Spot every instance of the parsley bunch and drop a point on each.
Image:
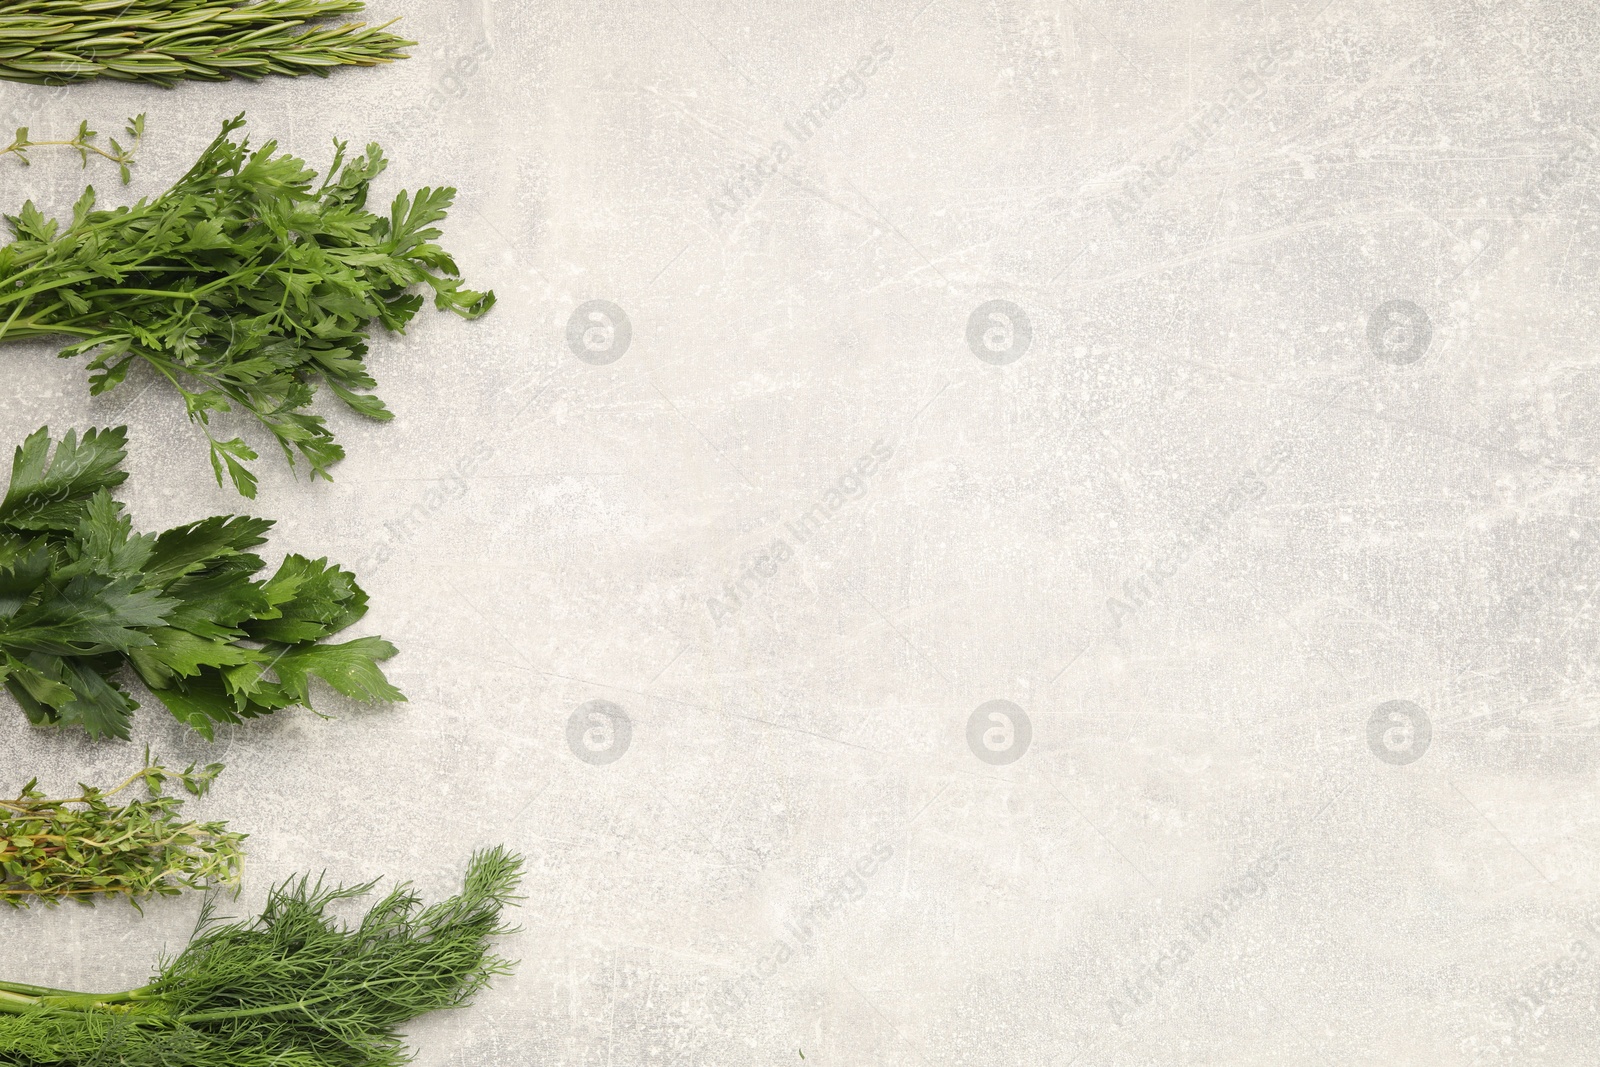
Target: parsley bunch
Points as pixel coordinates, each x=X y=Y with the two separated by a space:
x=53 y=42
x=82 y=595
x=244 y=286
x=86 y=847
x=83 y=143
x=293 y=988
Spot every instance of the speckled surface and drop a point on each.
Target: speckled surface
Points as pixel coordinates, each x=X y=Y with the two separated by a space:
x=1212 y=386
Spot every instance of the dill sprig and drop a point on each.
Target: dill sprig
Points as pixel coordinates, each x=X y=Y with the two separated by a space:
x=83 y=847
x=54 y=42
x=243 y=286
x=293 y=988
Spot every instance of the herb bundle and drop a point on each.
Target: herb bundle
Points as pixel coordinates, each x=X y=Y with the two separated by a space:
x=292 y=989
x=81 y=595
x=86 y=847
x=52 y=42
x=243 y=286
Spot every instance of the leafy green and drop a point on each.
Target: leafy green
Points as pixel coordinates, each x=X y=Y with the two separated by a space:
x=87 y=847
x=82 y=595
x=244 y=286
x=293 y=988
x=53 y=42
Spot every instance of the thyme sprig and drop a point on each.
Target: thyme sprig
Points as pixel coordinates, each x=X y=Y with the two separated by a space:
x=83 y=143
x=83 y=847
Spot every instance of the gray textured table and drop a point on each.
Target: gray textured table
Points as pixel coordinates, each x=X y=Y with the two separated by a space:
x=1213 y=386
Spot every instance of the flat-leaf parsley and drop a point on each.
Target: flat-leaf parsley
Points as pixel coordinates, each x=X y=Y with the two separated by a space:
x=82 y=596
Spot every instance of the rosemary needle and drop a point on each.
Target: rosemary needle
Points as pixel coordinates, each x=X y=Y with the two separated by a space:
x=54 y=42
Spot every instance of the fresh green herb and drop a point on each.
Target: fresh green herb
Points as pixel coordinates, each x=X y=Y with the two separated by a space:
x=83 y=142
x=293 y=988
x=86 y=847
x=53 y=42
x=242 y=286
x=81 y=595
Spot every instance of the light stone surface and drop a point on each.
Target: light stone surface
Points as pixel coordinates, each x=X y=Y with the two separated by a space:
x=1182 y=514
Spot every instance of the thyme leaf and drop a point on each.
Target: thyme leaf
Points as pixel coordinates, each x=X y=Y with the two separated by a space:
x=83 y=142
x=84 y=847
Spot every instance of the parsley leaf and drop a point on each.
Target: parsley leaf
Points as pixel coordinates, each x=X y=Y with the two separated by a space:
x=82 y=595
x=244 y=286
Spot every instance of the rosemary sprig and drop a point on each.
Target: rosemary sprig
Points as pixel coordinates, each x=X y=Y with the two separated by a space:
x=243 y=286
x=83 y=143
x=54 y=42
x=294 y=988
x=84 y=847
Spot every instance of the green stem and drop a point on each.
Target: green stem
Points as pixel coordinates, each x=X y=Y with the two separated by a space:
x=17 y=998
x=74 y=143
x=14 y=1004
x=293 y=1005
x=35 y=990
x=26 y=333
x=8 y=323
